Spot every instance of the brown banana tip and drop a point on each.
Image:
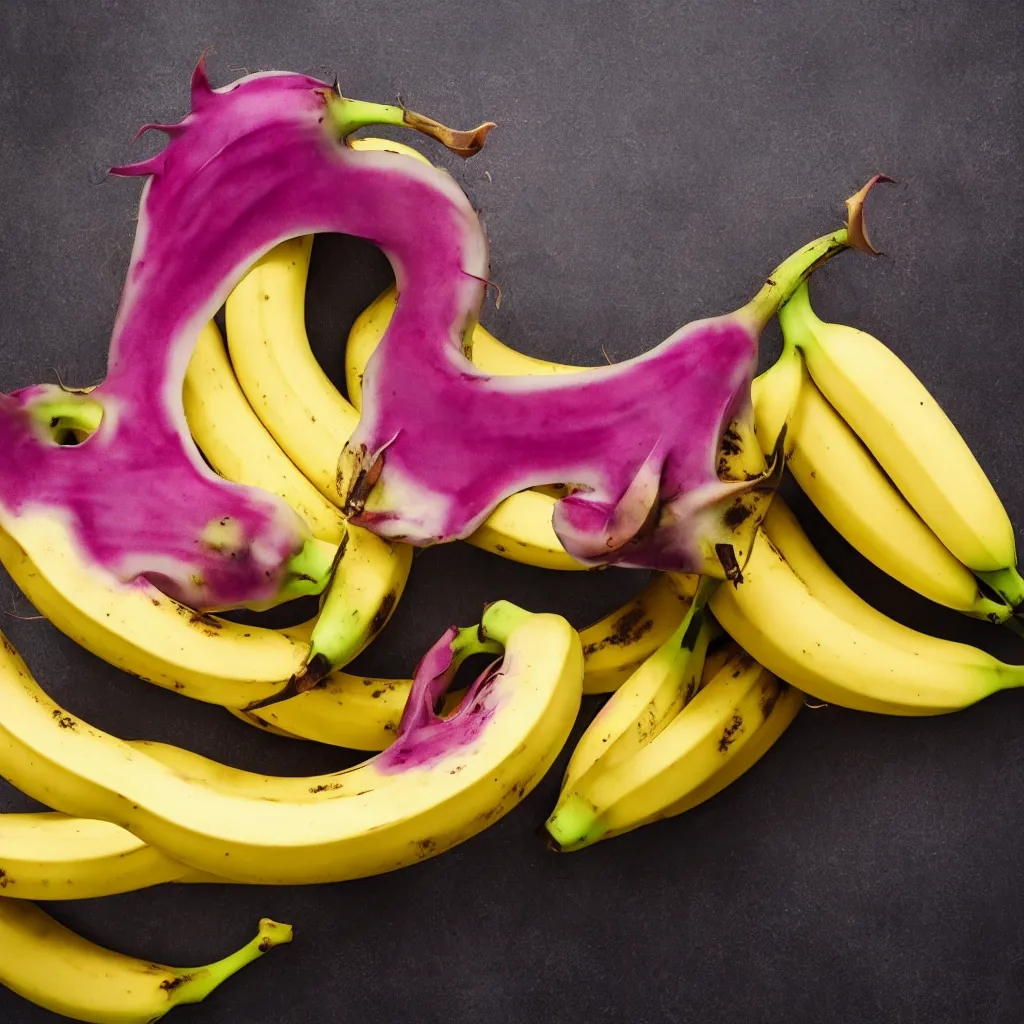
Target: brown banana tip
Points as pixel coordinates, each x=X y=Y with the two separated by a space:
x=464 y=144
x=856 y=229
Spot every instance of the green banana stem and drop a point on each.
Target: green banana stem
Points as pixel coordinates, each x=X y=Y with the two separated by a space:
x=347 y=116
x=794 y=270
x=195 y=984
x=570 y=825
x=500 y=620
x=468 y=642
x=1007 y=583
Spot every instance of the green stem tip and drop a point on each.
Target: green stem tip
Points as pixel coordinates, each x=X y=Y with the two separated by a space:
x=195 y=984
x=1007 y=583
x=469 y=642
x=500 y=620
x=572 y=824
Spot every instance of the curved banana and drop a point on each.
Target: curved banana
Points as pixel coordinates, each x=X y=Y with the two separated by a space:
x=46 y=855
x=142 y=631
x=645 y=703
x=685 y=763
x=913 y=440
x=53 y=967
x=796 y=617
x=439 y=783
x=837 y=472
x=237 y=445
x=744 y=753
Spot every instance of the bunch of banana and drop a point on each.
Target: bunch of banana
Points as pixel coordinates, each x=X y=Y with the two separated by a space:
x=354 y=711
x=680 y=729
x=878 y=457
x=797 y=617
x=55 y=968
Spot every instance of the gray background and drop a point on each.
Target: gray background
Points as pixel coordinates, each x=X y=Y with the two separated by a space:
x=653 y=161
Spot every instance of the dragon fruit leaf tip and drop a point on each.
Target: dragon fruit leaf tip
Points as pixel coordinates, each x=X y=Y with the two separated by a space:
x=253 y=163
x=440 y=444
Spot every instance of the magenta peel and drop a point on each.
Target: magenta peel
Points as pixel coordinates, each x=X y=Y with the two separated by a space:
x=254 y=163
x=424 y=737
x=440 y=443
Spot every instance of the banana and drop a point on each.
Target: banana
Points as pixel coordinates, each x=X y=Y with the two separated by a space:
x=795 y=616
x=55 y=968
x=904 y=428
x=142 y=631
x=363 y=713
x=849 y=488
x=645 y=703
x=687 y=761
x=237 y=445
x=743 y=754
x=439 y=783
x=45 y=855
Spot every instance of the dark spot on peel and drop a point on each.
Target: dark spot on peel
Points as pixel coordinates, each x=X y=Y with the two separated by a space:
x=626 y=630
x=265 y=945
x=170 y=984
x=771 y=698
x=737 y=515
x=729 y=734
x=383 y=613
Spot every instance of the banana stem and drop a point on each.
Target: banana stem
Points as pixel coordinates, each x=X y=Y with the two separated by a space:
x=195 y=984
x=1007 y=583
x=500 y=620
x=685 y=636
x=787 y=277
x=793 y=271
x=347 y=116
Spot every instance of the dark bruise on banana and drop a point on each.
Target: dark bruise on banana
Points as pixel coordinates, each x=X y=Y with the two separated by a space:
x=742 y=515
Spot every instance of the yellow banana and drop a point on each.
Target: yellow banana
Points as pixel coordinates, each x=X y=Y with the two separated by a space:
x=796 y=617
x=363 y=713
x=840 y=476
x=238 y=446
x=141 y=630
x=645 y=703
x=53 y=967
x=687 y=760
x=440 y=783
x=904 y=428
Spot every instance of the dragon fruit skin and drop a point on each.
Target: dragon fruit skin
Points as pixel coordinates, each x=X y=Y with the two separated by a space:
x=641 y=444
x=251 y=165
